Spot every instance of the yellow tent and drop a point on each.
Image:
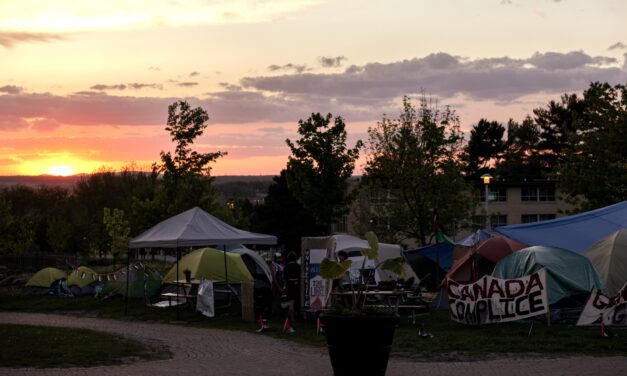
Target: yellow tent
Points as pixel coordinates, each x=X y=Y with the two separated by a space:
x=209 y=263
x=46 y=277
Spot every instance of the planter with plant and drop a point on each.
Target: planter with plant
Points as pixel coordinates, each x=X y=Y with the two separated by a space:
x=353 y=327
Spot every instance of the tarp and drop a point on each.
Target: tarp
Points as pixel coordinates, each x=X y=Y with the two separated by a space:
x=441 y=251
x=609 y=257
x=568 y=273
x=196 y=228
x=575 y=233
x=426 y=269
x=424 y=262
x=46 y=277
x=209 y=263
x=487 y=253
x=474 y=238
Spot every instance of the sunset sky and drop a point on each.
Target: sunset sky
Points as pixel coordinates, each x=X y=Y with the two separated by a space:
x=86 y=84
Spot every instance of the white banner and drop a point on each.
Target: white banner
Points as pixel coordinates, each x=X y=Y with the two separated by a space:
x=494 y=300
x=612 y=310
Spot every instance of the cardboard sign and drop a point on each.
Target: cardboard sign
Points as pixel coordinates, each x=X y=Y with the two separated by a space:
x=494 y=300
x=607 y=310
x=316 y=287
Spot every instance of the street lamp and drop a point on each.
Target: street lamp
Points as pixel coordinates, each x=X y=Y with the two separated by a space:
x=486 y=182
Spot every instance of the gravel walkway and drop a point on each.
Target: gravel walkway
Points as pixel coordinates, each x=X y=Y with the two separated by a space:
x=221 y=352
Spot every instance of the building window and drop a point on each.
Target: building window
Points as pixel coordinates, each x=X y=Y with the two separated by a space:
x=495 y=220
x=497 y=194
x=545 y=217
x=536 y=193
x=498 y=220
x=546 y=194
x=529 y=218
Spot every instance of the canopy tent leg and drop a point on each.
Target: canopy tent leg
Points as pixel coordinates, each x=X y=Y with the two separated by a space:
x=128 y=267
x=178 y=259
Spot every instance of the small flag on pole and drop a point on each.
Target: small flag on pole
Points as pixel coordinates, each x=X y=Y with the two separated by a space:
x=319 y=327
x=262 y=325
x=287 y=327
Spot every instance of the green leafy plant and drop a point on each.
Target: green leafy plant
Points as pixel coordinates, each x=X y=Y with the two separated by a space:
x=334 y=269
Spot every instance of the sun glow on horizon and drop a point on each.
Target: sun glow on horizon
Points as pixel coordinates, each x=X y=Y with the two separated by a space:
x=61 y=170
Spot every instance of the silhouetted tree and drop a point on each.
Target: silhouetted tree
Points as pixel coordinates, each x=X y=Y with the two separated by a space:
x=319 y=167
x=413 y=168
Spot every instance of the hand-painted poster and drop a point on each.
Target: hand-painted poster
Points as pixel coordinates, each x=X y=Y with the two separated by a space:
x=494 y=300
x=607 y=310
x=315 y=289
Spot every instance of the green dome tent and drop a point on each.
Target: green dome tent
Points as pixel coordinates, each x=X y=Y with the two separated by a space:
x=46 y=277
x=568 y=273
x=209 y=263
x=143 y=282
x=81 y=277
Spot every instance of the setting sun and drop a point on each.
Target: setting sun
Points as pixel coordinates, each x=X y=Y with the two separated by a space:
x=61 y=170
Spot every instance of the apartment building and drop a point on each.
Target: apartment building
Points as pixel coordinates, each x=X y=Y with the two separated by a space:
x=524 y=201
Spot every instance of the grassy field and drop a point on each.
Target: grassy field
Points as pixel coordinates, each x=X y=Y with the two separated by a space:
x=43 y=347
x=450 y=340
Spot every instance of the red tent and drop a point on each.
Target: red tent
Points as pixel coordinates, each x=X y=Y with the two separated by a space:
x=481 y=260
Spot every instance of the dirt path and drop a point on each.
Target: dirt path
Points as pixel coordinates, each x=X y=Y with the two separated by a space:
x=222 y=352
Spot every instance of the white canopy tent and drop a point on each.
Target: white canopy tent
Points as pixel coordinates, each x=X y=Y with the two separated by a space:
x=196 y=228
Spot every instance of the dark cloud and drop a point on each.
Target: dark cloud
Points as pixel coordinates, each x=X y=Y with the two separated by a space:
x=502 y=79
x=102 y=87
x=289 y=67
x=617 y=46
x=360 y=93
x=194 y=74
x=154 y=68
x=187 y=84
x=94 y=109
x=331 y=62
x=87 y=92
x=570 y=60
x=138 y=86
x=10 y=39
x=11 y=89
x=506 y=2
x=230 y=87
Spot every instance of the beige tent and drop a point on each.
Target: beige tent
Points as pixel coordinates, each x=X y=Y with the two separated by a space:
x=609 y=257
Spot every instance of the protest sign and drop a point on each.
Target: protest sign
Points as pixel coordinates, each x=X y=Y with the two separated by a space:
x=612 y=310
x=494 y=300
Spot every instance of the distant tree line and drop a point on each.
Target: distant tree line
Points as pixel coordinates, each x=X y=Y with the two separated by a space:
x=417 y=165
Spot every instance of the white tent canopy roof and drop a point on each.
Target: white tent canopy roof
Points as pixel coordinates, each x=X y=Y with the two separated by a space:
x=196 y=228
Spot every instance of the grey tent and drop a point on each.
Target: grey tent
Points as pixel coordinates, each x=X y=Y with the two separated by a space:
x=196 y=228
x=609 y=257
